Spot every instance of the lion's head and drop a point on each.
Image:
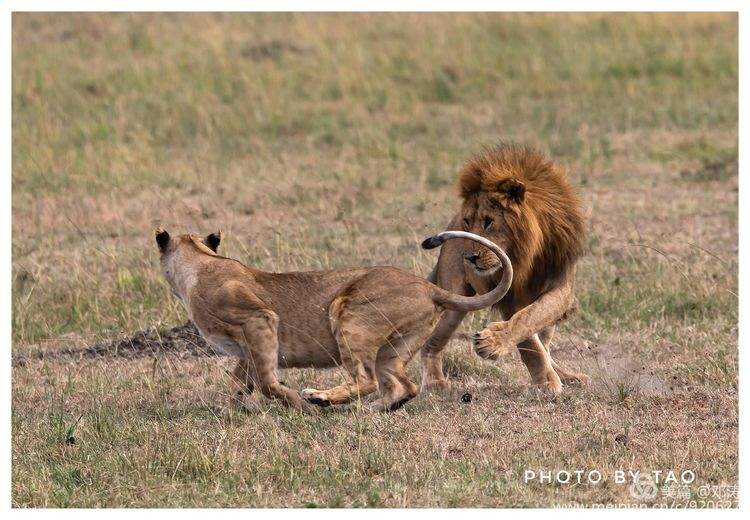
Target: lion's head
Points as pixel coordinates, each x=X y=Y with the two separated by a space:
x=520 y=200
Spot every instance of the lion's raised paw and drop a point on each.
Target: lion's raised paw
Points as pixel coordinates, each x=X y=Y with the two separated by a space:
x=483 y=346
x=487 y=346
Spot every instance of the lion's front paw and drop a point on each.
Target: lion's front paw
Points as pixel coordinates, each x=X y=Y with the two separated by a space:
x=315 y=397
x=494 y=341
x=576 y=379
x=549 y=381
x=435 y=385
x=432 y=374
x=377 y=405
x=484 y=345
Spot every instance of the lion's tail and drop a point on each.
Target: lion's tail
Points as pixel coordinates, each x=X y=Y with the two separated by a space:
x=457 y=302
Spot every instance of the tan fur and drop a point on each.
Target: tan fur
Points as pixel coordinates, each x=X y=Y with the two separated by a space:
x=521 y=200
x=370 y=320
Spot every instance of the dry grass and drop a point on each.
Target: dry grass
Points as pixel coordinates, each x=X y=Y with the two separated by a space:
x=330 y=140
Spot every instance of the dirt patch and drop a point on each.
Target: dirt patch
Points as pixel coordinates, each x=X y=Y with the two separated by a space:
x=624 y=376
x=181 y=341
x=616 y=367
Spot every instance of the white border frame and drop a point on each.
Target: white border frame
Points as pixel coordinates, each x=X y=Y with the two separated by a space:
x=357 y=5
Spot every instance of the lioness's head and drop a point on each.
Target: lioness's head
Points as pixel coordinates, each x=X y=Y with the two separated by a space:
x=517 y=198
x=169 y=245
x=179 y=254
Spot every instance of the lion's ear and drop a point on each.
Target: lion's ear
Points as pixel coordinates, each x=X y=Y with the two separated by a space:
x=213 y=240
x=513 y=189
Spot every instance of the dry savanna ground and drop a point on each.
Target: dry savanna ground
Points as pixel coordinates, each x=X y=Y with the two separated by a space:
x=319 y=141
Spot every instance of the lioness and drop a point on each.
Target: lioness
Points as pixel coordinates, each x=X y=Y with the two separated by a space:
x=521 y=200
x=371 y=320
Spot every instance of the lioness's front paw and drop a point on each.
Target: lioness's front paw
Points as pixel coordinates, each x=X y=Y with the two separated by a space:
x=315 y=397
x=494 y=341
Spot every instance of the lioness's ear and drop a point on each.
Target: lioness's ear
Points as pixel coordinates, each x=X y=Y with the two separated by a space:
x=514 y=189
x=213 y=240
x=162 y=238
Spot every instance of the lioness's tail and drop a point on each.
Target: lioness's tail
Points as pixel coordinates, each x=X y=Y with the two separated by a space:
x=457 y=302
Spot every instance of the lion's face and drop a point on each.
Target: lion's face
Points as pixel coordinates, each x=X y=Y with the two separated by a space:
x=481 y=214
x=518 y=199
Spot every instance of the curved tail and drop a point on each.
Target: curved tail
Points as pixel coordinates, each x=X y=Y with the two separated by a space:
x=457 y=302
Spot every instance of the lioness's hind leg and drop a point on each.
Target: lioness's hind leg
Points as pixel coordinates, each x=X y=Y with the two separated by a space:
x=358 y=347
x=362 y=383
x=395 y=387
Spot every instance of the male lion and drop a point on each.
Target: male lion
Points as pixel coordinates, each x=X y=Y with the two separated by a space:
x=520 y=200
x=371 y=320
